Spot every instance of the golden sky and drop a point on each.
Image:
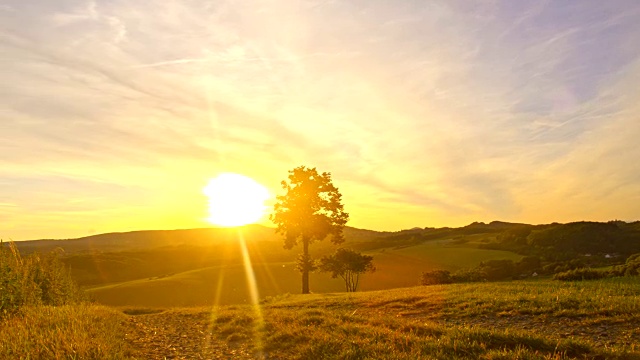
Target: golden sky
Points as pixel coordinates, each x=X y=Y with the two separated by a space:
x=115 y=114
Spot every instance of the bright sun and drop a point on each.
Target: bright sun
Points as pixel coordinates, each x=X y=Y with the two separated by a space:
x=235 y=200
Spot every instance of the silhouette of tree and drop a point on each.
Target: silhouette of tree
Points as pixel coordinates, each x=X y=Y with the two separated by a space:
x=310 y=211
x=347 y=264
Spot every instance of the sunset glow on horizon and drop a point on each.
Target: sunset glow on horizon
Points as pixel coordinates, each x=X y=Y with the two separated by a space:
x=115 y=115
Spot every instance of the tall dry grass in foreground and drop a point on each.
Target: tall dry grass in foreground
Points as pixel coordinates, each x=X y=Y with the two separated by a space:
x=37 y=279
x=43 y=315
x=81 y=331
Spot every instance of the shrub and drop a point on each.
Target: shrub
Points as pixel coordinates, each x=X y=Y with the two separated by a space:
x=436 y=277
x=468 y=275
x=33 y=280
x=632 y=265
x=580 y=274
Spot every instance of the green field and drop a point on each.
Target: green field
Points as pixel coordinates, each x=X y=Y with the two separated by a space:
x=226 y=283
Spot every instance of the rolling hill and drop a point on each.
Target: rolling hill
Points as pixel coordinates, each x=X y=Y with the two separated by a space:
x=206 y=266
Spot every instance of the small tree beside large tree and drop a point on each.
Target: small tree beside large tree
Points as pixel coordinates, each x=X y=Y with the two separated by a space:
x=310 y=210
x=347 y=264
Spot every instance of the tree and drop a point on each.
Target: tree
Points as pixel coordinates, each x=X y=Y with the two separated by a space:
x=310 y=211
x=347 y=264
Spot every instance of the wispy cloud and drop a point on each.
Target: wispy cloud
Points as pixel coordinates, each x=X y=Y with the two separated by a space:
x=444 y=112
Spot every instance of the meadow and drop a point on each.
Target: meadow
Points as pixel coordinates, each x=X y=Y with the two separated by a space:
x=191 y=300
x=540 y=319
x=202 y=276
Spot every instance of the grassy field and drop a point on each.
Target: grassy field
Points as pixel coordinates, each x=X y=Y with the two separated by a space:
x=226 y=283
x=540 y=319
x=516 y=320
x=171 y=304
x=202 y=267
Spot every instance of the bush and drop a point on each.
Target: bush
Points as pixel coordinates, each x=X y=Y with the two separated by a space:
x=468 y=275
x=632 y=265
x=436 y=277
x=630 y=268
x=580 y=274
x=33 y=280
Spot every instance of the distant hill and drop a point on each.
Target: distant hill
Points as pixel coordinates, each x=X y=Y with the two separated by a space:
x=149 y=239
x=146 y=239
x=120 y=267
x=518 y=237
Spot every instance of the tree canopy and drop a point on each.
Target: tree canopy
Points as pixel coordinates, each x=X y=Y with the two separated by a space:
x=310 y=210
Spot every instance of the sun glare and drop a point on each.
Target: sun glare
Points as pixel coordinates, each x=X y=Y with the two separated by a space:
x=235 y=200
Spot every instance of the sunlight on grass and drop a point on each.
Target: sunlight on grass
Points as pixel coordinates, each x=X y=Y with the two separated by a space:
x=256 y=323
x=526 y=320
x=253 y=291
x=80 y=331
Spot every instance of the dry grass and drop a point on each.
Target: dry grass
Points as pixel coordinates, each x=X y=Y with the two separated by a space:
x=516 y=320
x=81 y=331
x=43 y=316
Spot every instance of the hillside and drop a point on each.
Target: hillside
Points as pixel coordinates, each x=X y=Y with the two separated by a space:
x=216 y=274
x=146 y=239
x=198 y=267
x=226 y=282
x=539 y=319
x=171 y=296
x=532 y=320
x=149 y=239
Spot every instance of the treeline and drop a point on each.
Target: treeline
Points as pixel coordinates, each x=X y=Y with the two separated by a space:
x=562 y=242
x=531 y=266
x=631 y=267
x=492 y=270
x=417 y=236
x=36 y=279
x=564 y=251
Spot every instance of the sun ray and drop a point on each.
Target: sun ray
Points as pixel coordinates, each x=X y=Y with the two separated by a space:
x=253 y=291
x=275 y=287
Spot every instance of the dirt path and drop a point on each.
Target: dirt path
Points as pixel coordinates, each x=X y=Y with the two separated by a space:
x=171 y=335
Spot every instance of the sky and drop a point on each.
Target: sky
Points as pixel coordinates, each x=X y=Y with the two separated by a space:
x=115 y=114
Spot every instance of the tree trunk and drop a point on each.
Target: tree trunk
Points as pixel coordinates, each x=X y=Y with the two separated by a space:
x=305 y=269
